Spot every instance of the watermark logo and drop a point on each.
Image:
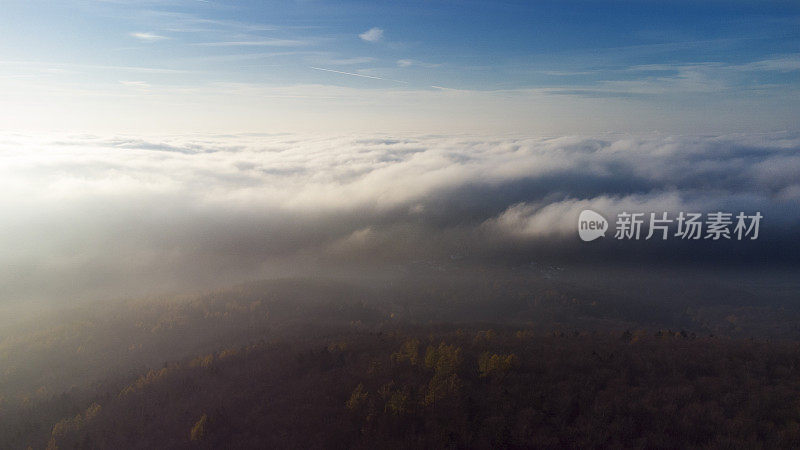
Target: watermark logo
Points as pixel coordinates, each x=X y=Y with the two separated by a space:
x=713 y=226
x=591 y=225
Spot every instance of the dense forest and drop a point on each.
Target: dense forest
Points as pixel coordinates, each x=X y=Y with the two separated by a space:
x=463 y=388
x=472 y=362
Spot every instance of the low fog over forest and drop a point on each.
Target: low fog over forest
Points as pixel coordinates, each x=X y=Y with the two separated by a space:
x=388 y=274
x=98 y=217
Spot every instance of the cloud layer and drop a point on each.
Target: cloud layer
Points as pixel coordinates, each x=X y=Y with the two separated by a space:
x=372 y=35
x=92 y=214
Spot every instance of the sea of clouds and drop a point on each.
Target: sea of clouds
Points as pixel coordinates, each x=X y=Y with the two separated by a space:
x=91 y=215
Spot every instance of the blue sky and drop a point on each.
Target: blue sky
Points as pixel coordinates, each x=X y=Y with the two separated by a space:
x=509 y=66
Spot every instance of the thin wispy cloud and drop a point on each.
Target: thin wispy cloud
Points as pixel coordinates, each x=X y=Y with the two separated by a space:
x=187 y=22
x=230 y=57
x=414 y=62
x=148 y=37
x=361 y=75
x=787 y=63
x=59 y=67
x=349 y=61
x=372 y=35
x=137 y=84
x=522 y=77
x=257 y=43
x=779 y=63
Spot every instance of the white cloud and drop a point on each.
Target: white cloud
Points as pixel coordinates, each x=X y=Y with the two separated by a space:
x=372 y=35
x=786 y=63
x=148 y=37
x=558 y=219
x=414 y=62
x=201 y=206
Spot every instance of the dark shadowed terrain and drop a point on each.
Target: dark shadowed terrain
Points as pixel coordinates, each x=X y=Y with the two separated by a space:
x=453 y=357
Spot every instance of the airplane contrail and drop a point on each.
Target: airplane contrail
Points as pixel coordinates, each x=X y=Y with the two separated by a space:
x=358 y=75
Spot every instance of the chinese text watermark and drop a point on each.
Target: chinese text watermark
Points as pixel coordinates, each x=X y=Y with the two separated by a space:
x=661 y=226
